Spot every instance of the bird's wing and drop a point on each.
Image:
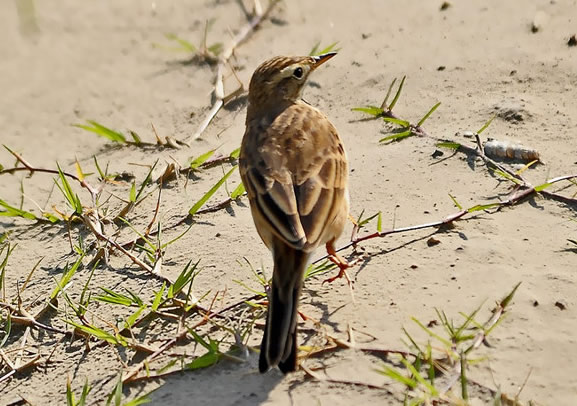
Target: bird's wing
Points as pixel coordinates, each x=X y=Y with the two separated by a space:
x=295 y=173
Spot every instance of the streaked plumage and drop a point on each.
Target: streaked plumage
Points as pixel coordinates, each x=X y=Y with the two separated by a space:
x=295 y=171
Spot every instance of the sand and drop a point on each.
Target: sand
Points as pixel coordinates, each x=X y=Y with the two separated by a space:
x=108 y=61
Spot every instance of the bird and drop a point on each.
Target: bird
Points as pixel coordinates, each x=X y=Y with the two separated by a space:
x=295 y=171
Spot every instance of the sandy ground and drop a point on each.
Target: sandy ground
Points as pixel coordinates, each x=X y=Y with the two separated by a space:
x=98 y=61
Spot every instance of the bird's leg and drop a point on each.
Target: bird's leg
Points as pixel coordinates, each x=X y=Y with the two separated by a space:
x=339 y=261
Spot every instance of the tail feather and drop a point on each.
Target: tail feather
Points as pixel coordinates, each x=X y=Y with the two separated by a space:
x=279 y=342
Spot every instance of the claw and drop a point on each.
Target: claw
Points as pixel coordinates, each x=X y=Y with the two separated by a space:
x=339 y=261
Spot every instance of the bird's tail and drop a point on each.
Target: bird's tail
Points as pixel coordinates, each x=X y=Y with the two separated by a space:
x=279 y=342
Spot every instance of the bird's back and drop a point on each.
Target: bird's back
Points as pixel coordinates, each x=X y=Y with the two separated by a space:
x=296 y=157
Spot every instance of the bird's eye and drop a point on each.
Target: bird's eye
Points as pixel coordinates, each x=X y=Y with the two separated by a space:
x=298 y=73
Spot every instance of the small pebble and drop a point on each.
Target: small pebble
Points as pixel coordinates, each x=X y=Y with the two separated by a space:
x=445 y=5
x=431 y=242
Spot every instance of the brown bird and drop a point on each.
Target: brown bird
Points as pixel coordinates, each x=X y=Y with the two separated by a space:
x=295 y=171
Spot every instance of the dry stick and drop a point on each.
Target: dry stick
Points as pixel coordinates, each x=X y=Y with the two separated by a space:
x=418 y=130
x=22 y=367
x=559 y=198
x=520 y=193
x=31 y=168
x=156 y=210
x=26 y=319
x=490 y=162
x=101 y=236
x=20 y=353
x=242 y=36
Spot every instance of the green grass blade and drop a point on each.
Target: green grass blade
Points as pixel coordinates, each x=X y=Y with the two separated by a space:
x=138 y=401
x=199 y=339
x=328 y=49
x=455 y=202
x=464 y=392
x=116 y=394
x=113 y=297
x=199 y=160
x=99 y=333
x=386 y=99
x=238 y=192
x=204 y=361
x=66 y=189
x=507 y=176
x=158 y=297
x=315 y=49
x=487 y=124
x=542 y=186
x=178 y=237
x=69 y=394
x=184 y=44
x=314 y=270
x=4 y=237
x=372 y=110
x=132 y=195
x=430 y=332
x=129 y=322
x=448 y=144
x=254 y=291
x=11 y=211
x=209 y=194
x=135 y=137
x=84 y=395
x=397 y=137
x=426 y=116
x=362 y=223
x=51 y=217
x=186 y=276
x=66 y=277
x=216 y=48
x=432 y=390
x=146 y=181
x=399 y=122
x=481 y=207
x=235 y=153
x=507 y=299
x=398 y=94
x=395 y=375
x=102 y=131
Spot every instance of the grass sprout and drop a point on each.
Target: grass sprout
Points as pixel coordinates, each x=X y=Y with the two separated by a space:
x=317 y=50
x=452 y=348
x=102 y=131
x=195 y=163
x=211 y=357
x=211 y=192
x=11 y=211
x=204 y=52
x=385 y=111
x=70 y=398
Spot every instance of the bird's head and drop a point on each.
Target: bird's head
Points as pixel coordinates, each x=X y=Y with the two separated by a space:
x=281 y=79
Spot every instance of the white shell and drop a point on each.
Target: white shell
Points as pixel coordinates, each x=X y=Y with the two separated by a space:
x=506 y=150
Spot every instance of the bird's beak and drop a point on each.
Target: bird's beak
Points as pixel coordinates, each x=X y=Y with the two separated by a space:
x=320 y=59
